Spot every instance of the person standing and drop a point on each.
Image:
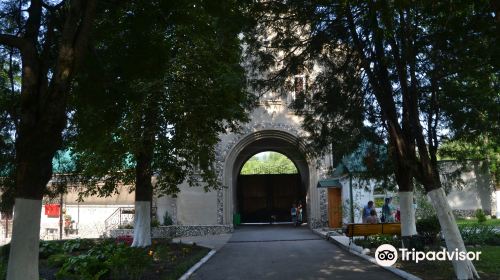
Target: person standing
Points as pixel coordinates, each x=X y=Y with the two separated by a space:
x=388 y=211
x=300 y=210
x=366 y=211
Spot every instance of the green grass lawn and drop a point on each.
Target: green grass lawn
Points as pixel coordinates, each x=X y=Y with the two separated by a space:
x=491 y=222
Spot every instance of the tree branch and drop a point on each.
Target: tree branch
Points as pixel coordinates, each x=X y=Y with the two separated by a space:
x=53 y=8
x=34 y=20
x=12 y=41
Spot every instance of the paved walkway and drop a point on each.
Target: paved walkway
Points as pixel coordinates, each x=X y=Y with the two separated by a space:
x=285 y=252
x=210 y=241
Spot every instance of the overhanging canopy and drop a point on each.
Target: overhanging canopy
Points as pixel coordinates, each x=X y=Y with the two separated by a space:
x=329 y=183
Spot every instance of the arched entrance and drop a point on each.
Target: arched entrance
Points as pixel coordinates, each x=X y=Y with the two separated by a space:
x=268 y=184
x=269 y=140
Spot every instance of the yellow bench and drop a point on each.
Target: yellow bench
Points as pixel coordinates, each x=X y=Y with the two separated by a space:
x=372 y=229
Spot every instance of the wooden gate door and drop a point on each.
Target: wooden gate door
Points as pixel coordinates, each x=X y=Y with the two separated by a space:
x=334 y=208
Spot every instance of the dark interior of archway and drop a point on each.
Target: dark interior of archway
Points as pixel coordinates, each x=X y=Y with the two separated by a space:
x=268 y=198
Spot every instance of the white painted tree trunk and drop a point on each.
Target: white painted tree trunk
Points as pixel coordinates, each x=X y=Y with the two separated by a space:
x=24 y=248
x=498 y=203
x=142 y=224
x=407 y=217
x=463 y=269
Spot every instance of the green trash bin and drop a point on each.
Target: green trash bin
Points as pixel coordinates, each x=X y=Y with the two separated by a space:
x=236 y=219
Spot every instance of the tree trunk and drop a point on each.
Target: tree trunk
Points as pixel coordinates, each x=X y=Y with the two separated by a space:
x=143 y=198
x=24 y=246
x=408 y=227
x=497 y=192
x=37 y=142
x=42 y=118
x=463 y=269
x=142 y=224
x=405 y=185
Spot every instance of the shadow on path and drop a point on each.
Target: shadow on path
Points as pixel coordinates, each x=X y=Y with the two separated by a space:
x=285 y=252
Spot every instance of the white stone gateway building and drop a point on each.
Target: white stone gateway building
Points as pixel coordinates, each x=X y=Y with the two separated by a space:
x=274 y=127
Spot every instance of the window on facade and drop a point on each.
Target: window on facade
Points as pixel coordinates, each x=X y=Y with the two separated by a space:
x=299 y=85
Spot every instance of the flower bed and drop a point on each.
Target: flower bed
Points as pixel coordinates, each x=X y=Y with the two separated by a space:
x=112 y=259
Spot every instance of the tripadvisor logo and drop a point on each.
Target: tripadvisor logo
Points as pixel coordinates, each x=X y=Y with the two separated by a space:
x=387 y=255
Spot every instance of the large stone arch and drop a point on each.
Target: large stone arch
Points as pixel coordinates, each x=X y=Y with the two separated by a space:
x=283 y=139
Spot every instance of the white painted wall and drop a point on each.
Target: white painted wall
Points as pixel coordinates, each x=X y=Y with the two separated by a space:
x=166 y=204
x=472 y=189
x=88 y=218
x=195 y=206
x=361 y=197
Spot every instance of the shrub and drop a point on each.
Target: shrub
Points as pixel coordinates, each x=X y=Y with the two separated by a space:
x=377 y=240
x=476 y=234
x=57 y=260
x=128 y=263
x=107 y=259
x=424 y=207
x=429 y=228
x=84 y=267
x=48 y=248
x=88 y=266
x=480 y=215
x=167 y=220
x=493 y=240
x=77 y=245
x=155 y=223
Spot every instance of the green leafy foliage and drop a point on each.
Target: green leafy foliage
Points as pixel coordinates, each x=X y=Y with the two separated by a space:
x=155 y=223
x=48 y=248
x=85 y=267
x=424 y=207
x=128 y=263
x=57 y=259
x=481 y=148
x=480 y=216
x=9 y=97
x=163 y=81
x=268 y=163
x=429 y=228
x=377 y=240
x=477 y=234
x=167 y=219
x=77 y=244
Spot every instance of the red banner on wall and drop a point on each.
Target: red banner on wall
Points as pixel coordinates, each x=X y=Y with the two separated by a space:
x=52 y=210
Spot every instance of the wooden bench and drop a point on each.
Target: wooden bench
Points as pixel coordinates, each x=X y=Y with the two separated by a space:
x=372 y=229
